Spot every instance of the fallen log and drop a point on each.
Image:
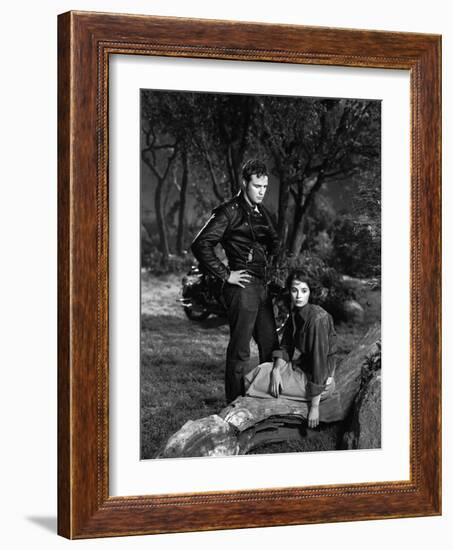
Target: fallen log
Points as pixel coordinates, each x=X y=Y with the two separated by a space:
x=251 y=421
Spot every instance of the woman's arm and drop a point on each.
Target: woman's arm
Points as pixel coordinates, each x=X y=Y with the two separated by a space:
x=318 y=341
x=276 y=377
x=317 y=349
x=285 y=349
x=281 y=356
x=313 y=415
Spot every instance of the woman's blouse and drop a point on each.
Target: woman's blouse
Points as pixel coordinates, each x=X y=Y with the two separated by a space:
x=309 y=341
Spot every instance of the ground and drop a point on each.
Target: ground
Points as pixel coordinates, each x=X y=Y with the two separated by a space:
x=182 y=366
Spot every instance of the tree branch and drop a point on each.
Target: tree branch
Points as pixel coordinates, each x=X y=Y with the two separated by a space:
x=204 y=150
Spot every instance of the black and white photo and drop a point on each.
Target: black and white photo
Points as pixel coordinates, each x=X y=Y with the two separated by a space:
x=260 y=274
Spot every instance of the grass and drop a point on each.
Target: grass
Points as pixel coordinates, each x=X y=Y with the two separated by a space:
x=182 y=368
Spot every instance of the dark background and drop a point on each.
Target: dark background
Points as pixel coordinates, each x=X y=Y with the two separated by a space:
x=324 y=161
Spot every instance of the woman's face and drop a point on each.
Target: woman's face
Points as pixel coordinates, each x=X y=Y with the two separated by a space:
x=300 y=293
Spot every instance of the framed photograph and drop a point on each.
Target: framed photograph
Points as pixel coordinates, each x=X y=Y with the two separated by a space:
x=249 y=275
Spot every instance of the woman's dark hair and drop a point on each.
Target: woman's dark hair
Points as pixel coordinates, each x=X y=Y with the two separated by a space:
x=253 y=166
x=302 y=275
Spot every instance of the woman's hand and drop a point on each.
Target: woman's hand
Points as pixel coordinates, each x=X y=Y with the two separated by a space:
x=313 y=416
x=276 y=382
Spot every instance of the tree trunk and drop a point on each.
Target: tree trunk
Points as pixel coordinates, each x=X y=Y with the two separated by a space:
x=158 y=198
x=232 y=172
x=182 y=204
x=283 y=203
x=215 y=183
x=161 y=223
x=299 y=236
x=298 y=239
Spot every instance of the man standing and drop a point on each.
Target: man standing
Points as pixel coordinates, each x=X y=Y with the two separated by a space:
x=244 y=229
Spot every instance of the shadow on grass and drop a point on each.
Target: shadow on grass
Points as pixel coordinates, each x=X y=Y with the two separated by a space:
x=213 y=322
x=182 y=324
x=326 y=437
x=182 y=376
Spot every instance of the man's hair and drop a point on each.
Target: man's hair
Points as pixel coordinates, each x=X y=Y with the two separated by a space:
x=253 y=166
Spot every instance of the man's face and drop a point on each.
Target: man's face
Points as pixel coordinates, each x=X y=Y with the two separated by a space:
x=256 y=188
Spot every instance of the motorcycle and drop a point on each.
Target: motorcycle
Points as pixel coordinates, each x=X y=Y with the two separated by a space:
x=202 y=296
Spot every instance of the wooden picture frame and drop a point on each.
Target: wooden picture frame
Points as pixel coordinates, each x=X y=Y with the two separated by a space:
x=85 y=41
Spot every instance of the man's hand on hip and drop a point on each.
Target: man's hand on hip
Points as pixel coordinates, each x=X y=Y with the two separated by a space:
x=239 y=277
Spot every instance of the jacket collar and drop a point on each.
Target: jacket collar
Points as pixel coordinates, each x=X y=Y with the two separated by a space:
x=244 y=203
x=301 y=312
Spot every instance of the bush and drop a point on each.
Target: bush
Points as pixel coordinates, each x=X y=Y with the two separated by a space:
x=153 y=261
x=321 y=245
x=332 y=292
x=357 y=247
x=371 y=364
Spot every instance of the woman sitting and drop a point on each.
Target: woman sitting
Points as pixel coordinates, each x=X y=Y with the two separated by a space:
x=304 y=365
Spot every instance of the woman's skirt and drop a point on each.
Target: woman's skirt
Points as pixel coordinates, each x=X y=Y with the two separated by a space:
x=294 y=383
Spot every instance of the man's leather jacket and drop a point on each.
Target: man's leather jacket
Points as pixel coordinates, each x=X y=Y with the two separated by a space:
x=247 y=236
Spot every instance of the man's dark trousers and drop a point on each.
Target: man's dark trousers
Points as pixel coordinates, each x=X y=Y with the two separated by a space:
x=250 y=314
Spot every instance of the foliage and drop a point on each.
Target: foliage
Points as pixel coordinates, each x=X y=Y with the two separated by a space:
x=331 y=292
x=194 y=144
x=321 y=244
x=321 y=216
x=373 y=361
x=152 y=261
x=357 y=247
x=371 y=365
x=357 y=235
x=314 y=143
